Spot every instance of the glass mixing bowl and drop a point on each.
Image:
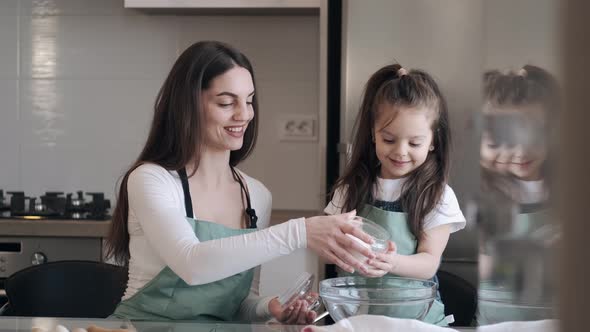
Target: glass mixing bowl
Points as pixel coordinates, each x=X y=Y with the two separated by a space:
x=389 y=296
x=497 y=304
x=301 y=289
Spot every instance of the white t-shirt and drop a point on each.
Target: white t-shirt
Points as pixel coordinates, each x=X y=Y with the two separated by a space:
x=389 y=190
x=532 y=192
x=160 y=236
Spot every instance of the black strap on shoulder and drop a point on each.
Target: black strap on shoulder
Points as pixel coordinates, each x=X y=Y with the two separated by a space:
x=249 y=210
x=188 y=203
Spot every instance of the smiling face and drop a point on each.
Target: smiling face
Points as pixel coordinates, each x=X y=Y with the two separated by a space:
x=228 y=109
x=403 y=142
x=514 y=143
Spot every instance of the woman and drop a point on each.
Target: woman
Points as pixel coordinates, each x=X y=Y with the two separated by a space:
x=186 y=220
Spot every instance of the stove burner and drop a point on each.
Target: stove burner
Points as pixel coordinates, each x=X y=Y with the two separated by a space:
x=54 y=205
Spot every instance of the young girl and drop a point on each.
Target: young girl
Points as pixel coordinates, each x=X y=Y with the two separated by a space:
x=397 y=174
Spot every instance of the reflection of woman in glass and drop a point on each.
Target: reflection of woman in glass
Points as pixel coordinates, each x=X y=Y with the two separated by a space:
x=518 y=112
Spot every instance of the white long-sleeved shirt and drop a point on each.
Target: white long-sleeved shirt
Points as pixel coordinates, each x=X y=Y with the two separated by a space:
x=160 y=236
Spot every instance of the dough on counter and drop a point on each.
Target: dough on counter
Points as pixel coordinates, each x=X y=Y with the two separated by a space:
x=94 y=328
x=43 y=324
x=60 y=328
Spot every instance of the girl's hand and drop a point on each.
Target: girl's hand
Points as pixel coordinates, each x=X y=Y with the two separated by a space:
x=384 y=263
x=326 y=235
x=296 y=314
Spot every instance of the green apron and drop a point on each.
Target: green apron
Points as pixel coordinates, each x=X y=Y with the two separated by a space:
x=168 y=297
x=534 y=225
x=397 y=225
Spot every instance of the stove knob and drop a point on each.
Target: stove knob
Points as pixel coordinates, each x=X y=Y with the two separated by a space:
x=2 y=269
x=2 y=259
x=38 y=258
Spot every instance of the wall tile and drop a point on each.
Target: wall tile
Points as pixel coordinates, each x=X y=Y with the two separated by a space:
x=9 y=136
x=72 y=167
x=56 y=112
x=113 y=47
x=8 y=8
x=74 y=8
x=9 y=48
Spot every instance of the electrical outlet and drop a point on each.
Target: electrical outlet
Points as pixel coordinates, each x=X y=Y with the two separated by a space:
x=297 y=127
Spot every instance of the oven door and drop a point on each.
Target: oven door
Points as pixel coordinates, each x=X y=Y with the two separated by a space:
x=17 y=253
x=10 y=249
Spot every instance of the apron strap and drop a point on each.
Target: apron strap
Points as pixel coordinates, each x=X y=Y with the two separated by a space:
x=533 y=207
x=249 y=210
x=188 y=202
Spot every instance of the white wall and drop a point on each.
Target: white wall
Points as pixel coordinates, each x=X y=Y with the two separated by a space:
x=9 y=95
x=78 y=80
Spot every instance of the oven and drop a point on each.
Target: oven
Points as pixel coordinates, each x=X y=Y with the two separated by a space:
x=17 y=253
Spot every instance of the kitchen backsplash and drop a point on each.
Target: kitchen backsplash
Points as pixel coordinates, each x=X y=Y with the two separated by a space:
x=78 y=79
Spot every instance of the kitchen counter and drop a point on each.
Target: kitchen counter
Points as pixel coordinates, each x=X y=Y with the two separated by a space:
x=54 y=228
x=100 y=229
x=25 y=324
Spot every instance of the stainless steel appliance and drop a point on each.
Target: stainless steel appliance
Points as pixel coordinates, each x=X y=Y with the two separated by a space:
x=23 y=250
x=17 y=253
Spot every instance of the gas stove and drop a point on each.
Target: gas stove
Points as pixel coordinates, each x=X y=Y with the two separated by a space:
x=54 y=205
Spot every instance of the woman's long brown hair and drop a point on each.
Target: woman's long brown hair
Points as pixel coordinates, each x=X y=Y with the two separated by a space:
x=424 y=187
x=176 y=133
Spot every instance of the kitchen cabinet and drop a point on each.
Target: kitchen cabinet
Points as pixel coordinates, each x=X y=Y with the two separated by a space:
x=282 y=7
x=222 y=4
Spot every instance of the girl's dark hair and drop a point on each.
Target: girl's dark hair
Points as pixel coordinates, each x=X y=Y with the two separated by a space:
x=177 y=131
x=425 y=186
x=529 y=86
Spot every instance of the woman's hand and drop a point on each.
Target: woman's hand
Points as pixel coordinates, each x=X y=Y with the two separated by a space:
x=382 y=264
x=326 y=235
x=297 y=313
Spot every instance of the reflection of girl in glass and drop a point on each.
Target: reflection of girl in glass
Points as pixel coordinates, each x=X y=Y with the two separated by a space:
x=518 y=113
x=514 y=150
